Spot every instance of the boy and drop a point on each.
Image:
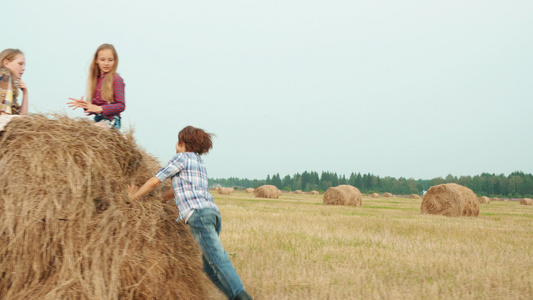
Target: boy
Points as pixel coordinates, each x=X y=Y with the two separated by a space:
x=197 y=207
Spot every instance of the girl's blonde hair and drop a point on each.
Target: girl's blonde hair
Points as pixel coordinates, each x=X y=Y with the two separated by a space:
x=10 y=55
x=94 y=72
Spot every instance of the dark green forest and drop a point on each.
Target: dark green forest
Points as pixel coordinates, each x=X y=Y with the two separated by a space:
x=515 y=185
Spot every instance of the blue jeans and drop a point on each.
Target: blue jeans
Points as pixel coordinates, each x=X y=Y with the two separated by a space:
x=206 y=225
x=114 y=123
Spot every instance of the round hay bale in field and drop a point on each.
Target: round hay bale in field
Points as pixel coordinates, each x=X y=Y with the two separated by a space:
x=414 y=196
x=374 y=195
x=526 y=201
x=267 y=191
x=249 y=190
x=314 y=193
x=298 y=192
x=506 y=200
x=451 y=200
x=388 y=195
x=225 y=191
x=68 y=229
x=355 y=198
x=484 y=199
x=335 y=196
x=343 y=195
x=494 y=199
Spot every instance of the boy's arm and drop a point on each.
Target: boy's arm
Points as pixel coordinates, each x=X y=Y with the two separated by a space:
x=151 y=184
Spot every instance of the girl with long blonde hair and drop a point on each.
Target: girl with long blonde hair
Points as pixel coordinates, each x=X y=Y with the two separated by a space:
x=12 y=66
x=105 y=89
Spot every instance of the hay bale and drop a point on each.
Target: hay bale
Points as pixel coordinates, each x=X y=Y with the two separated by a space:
x=494 y=199
x=506 y=200
x=483 y=199
x=314 y=193
x=451 y=200
x=298 y=192
x=335 y=196
x=388 y=195
x=67 y=228
x=374 y=195
x=414 y=196
x=343 y=195
x=526 y=201
x=267 y=191
x=249 y=190
x=225 y=191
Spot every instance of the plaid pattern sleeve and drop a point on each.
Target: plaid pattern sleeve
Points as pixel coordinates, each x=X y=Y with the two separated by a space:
x=119 y=98
x=6 y=91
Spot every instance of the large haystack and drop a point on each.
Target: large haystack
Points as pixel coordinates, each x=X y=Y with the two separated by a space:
x=343 y=195
x=225 y=191
x=526 y=201
x=68 y=230
x=484 y=199
x=451 y=200
x=374 y=195
x=267 y=191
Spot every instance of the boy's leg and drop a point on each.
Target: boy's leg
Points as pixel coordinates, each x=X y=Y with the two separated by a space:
x=205 y=225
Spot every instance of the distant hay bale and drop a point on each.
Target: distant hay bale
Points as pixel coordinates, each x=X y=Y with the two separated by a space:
x=343 y=195
x=414 y=196
x=506 y=200
x=388 y=195
x=267 y=191
x=68 y=229
x=374 y=195
x=494 y=199
x=225 y=191
x=484 y=199
x=249 y=190
x=526 y=201
x=314 y=193
x=298 y=192
x=451 y=200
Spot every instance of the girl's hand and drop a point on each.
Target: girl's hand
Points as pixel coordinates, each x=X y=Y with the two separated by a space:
x=21 y=85
x=88 y=107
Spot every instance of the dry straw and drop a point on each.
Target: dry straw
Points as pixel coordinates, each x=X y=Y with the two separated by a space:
x=484 y=199
x=451 y=200
x=343 y=195
x=225 y=191
x=68 y=230
x=267 y=191
x=526 y=201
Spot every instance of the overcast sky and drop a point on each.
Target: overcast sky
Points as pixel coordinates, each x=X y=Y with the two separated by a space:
x=402 y=88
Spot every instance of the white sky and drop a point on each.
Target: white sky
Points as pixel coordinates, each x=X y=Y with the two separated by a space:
x=398 y=88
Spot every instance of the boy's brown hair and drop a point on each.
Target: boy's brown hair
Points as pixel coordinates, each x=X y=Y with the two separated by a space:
x=195 y=139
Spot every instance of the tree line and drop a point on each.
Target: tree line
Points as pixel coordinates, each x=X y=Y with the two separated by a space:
x=515 y=185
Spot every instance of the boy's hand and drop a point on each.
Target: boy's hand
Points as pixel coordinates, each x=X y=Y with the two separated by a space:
x=132 y=189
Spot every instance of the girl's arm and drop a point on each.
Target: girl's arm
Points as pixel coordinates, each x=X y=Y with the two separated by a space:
x=24 y=106
x=136 y=193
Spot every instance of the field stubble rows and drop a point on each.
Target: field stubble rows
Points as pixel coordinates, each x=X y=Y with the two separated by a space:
x=295 y=247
